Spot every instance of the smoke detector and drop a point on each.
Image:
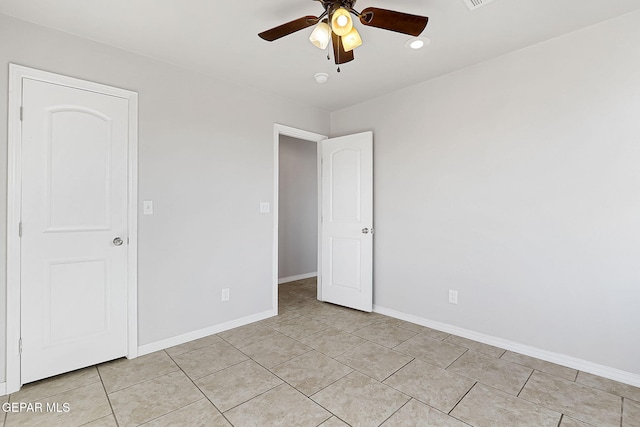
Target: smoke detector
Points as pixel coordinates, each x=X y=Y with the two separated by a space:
x=321 y=77
x=475 y=4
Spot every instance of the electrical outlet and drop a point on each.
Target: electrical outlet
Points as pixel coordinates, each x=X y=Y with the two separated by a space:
x=225 y=294
x=453 y=296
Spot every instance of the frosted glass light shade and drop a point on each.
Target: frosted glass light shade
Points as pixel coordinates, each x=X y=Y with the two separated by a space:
x=321 y=35
x=351 y=40
x=341 y=22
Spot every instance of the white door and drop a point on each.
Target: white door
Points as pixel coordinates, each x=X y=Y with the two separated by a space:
x=74 y=229
x=347 y=221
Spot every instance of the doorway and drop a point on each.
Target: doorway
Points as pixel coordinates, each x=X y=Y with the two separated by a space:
x=297 y=215
x=297 y=211
x=344 y=167
x=72 y=225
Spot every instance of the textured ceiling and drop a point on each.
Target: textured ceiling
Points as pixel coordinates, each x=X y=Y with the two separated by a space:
x=220 y=38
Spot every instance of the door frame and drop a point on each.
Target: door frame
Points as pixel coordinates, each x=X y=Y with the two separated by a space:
x=14 y=198
x=278 y=130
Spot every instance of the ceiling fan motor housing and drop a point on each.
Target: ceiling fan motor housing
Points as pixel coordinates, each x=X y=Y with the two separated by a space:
x=332 y=5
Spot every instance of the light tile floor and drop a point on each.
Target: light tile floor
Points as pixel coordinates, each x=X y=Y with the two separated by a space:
x=322 y=365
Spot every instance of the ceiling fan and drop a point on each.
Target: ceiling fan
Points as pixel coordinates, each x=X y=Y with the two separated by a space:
x=336 y=25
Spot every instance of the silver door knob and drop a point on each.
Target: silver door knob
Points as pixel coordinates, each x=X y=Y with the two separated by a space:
x=118 y=241
x=365 y=231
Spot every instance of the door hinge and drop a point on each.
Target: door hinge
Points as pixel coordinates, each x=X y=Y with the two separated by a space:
x=21 y=113
x=20 y=229
x=20 y=346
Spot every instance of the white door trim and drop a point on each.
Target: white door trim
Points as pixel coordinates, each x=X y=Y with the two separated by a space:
x=307 y=136
x=14 y=197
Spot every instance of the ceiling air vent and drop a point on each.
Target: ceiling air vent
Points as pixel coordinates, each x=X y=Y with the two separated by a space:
x=475 y=4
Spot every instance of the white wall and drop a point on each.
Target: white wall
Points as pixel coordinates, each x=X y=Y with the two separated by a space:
x=517 y=183
x=205 y=159
x=298 y=207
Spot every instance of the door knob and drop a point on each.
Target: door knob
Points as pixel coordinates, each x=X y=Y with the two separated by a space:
x=365 y=231
x=118 y=241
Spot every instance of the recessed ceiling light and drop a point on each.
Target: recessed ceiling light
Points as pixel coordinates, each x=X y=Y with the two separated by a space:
x=417 y=43
x=321 y=77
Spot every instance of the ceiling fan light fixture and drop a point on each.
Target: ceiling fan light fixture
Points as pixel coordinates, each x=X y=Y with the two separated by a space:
x=321 y=35
x=351 y=40
x=341 y=22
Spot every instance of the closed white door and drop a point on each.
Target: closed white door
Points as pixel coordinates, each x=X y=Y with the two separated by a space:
x=74 y=229
x=347 y=221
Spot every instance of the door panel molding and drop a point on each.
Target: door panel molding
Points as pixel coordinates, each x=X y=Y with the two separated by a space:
x=14 y=196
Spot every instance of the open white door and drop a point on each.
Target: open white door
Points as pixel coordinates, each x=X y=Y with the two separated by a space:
x=347 y=221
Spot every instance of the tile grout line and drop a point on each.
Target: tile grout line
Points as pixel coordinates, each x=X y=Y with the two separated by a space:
x=60 y=392
x=396 y=371
x=332 y=414
x=393 y=349
x=329 y=326
x=148 y=379
x=540 y=370
x=319 y=352
x=399 y=344
x=113 y=412
x=176 y=410
x=199 y=389
x=272 y=373
x=256 y=342
x=457 y=358
x=243 y=402
x=525 y=383
x=461 y=399
x=145 y=381
x=324 y=421
x=397 y=410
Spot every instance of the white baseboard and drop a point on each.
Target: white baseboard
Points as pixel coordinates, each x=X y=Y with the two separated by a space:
x=201 y=333
x=298 y=277
x=3 y=389
x=549 y=356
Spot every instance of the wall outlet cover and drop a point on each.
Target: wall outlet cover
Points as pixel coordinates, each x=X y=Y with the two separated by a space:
x=453 y=296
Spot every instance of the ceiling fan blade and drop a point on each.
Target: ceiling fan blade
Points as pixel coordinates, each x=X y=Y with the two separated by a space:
x=288 y=28
x=340 y=56
x=391 y=20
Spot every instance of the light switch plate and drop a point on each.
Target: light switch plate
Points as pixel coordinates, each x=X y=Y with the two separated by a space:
x=265 y=207
x=147 y=207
